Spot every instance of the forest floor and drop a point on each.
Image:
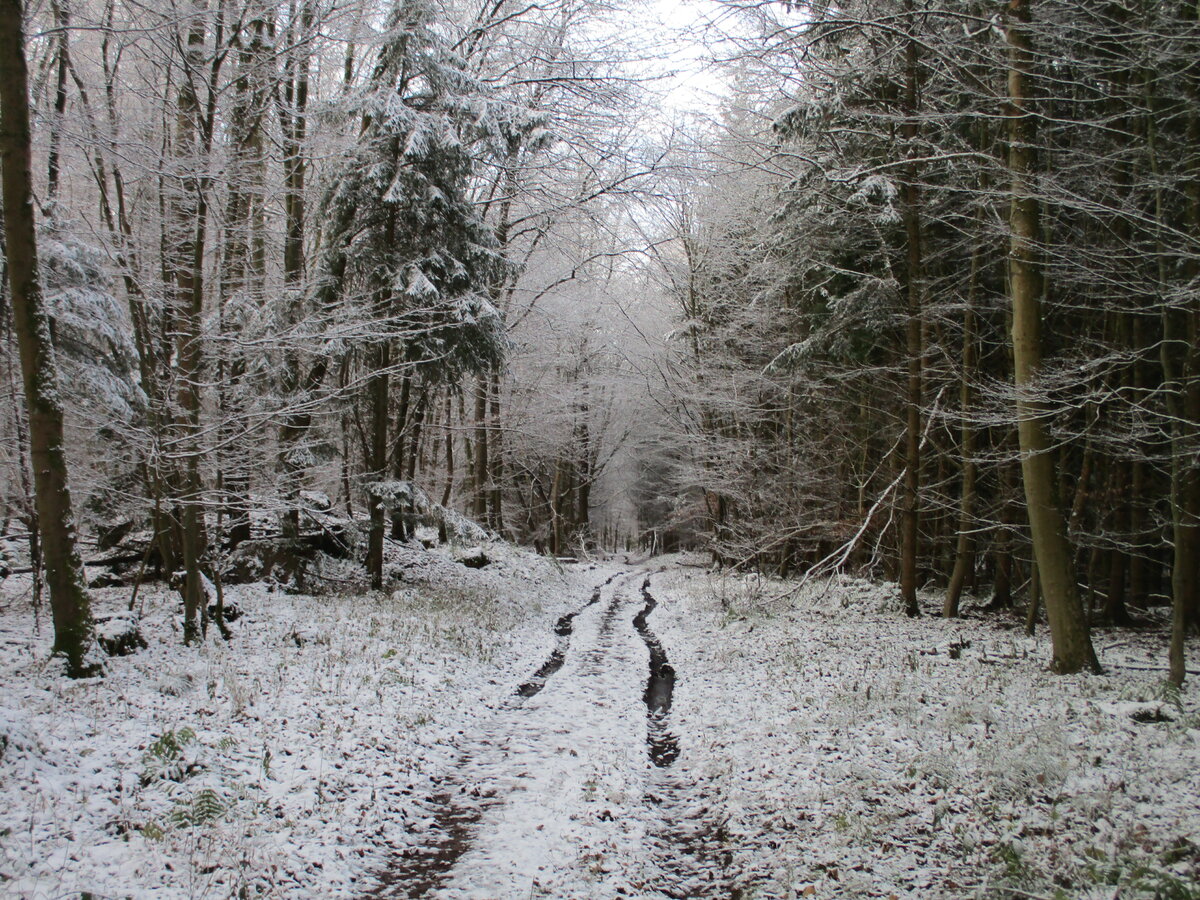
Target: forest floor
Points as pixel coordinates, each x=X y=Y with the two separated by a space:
x=615 y=729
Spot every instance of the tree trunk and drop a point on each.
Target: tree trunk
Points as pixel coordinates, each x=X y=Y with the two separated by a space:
x=379 y=387
x=449 y=488
x=910 y=521
x=186 y=247
x=496 y=458
x=1115 y=611
x=243 y=269
x=417 y=430
x=62 y=21
x=480 y=503
x=1002 y=562
x=69 y=602
x=1180 y=359
x=1072 y=645
x=400 y=451
x=1035 y=599
x=296 y=384
x=964 y=557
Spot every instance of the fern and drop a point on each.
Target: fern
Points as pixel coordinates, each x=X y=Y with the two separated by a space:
x=171 y=757
x=169 y=745
x=205 y=806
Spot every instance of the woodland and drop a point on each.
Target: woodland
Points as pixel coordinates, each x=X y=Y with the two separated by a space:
x=600 y=448
x=913 y=292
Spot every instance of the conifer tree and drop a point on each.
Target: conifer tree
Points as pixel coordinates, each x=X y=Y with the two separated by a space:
x=408 y=256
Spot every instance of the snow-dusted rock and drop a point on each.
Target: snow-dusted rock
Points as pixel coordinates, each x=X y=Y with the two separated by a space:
x=119 y=634
x=473 y=558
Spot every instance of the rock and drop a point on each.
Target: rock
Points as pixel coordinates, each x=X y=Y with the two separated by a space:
x=316 y=500
x=106 y=579
x=233 y=612
x=119 y=634
x=110 y=536
x=473 y=558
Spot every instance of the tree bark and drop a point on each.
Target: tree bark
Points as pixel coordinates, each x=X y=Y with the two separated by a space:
x=910 y=519
x=186 y=248
x=379 y=387
x=481 y=470
x=1180 y=359
x=1072 y=645
x=496 y=457
x=964 y=557
x=69 y=602
x=297 y=385
x=243 y=269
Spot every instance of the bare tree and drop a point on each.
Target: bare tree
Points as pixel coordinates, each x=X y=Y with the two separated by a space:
x=69 y=602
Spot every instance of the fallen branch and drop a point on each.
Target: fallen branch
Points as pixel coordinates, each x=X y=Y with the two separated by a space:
x=843 y=552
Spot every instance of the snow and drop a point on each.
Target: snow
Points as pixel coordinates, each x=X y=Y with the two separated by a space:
x=375 y=744
x=855 y=755
x=285 y=766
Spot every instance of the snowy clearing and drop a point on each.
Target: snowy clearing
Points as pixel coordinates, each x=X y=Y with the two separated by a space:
x=494 y=733
x=856 y=753
x=285 y=763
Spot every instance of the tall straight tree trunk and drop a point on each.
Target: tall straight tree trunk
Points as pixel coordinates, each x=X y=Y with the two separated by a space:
x=1180 y=359
x=186 y=248
x=448 y=490
x=401 y=449
x=1002 y=562
x=910 y=523
x=243 y=269
x=69 y=602
x=62 y=22
x=586 y=471
x=1072 y=645
x=1139 y=591
x=481 y=471
x=964 y=557
x=28 y=506
x=296 y=384
x=416 y=437
x=496 y=457
x=379 y=387
x=1181 y=378
x=556 y=492
x=1185 y=578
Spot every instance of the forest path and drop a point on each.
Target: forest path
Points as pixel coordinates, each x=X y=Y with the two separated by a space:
x=574 y=788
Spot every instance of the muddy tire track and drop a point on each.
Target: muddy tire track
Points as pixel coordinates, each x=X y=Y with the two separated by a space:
x=691 y=846
x=456 y=810
x=563 y=629
x=419 y=869
x=660 y=688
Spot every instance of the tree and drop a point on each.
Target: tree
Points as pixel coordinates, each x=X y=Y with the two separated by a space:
x=1068 y=627
x=73 y=636
x=405 y=235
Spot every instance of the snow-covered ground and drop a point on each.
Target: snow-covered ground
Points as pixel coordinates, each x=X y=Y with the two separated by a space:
x=288 y=762
x=855 y=753
x=397 y=745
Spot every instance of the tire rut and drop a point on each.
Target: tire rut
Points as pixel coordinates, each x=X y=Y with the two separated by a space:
x=660 y=688
x=457 y=809
x=691 y=847
x=563 y=628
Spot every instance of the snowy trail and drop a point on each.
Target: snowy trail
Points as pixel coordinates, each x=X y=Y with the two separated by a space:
x=556 y=794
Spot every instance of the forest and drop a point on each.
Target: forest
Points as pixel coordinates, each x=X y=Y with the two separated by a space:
x=330 y=298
